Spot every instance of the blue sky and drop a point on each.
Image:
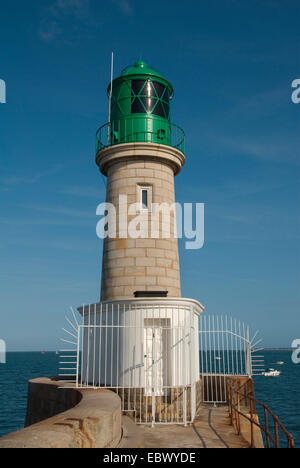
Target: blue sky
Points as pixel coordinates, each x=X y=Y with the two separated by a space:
x=231 y=64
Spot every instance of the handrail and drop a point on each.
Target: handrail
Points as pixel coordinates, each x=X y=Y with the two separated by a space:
x=235 y=396
x=140 y=129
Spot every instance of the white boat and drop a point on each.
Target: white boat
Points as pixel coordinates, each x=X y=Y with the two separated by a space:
x=280 y=363
x=272 y=373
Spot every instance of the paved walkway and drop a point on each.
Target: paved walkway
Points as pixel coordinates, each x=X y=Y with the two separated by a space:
x=211 y=429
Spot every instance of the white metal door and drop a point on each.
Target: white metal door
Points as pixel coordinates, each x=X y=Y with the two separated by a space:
x=154 y=361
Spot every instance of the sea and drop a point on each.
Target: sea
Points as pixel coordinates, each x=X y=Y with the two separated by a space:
x=281 y=394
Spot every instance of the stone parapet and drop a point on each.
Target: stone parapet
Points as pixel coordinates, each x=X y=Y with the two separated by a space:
x=94 y=422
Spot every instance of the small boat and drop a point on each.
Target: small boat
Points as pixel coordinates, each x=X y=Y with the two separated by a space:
x=43 y=352
x=218 y=358
x=280 y=363
x=272 y=373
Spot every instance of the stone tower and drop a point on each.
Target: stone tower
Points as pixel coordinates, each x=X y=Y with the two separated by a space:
x=140 y=163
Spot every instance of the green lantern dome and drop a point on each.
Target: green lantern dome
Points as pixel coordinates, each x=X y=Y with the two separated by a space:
x=140 y=109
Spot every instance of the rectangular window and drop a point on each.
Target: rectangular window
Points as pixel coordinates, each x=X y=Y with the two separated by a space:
x=145 y=197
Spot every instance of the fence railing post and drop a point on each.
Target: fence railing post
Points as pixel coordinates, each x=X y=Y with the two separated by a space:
x=78 y=356
x=238 y=414
x=251 y=417
x=229 y=396
x=153 y=378
x=267 y=428
x=184 y=399
x=277 y=436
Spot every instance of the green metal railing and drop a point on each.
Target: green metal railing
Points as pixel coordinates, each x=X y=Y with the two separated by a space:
x=140 y=129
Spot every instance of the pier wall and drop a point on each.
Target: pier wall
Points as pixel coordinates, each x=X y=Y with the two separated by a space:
x=94 y=421
x=46 y=398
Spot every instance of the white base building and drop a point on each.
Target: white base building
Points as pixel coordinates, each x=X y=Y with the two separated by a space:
x=150 y=344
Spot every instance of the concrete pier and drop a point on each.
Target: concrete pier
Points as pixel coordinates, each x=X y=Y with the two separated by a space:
x=211 y=429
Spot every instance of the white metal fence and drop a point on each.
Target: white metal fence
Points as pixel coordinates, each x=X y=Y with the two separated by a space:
x=147 y=377
x=158 y=359
x=226 y=349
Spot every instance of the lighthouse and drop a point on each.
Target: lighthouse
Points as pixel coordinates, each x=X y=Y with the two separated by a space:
x=140 y=163
x=141 y=339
